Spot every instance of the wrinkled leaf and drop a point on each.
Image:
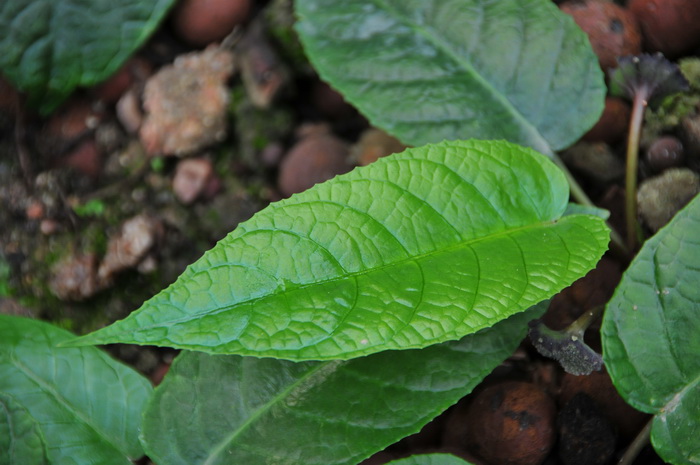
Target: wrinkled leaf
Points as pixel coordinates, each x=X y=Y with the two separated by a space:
x=651 y=336
x=21 y=441
x=50 y=47
x=430 y=459
x=245 y=410
x=87 y=406
x=415 y=249
x=428 y=70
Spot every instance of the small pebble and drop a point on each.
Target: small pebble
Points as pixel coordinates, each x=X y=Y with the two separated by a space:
x=129 y=112
x=186 y=103
x=75 y=278
x=314 y=159
x=191 y=178
x=127 y=248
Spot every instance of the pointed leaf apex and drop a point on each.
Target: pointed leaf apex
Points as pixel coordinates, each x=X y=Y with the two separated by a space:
x=653 y=75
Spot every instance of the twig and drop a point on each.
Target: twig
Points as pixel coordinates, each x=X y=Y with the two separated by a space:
x=636 y=446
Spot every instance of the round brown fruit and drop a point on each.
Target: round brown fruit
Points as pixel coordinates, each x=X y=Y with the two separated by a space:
x=612 y=29
x=201 y=22
x=511 y=423
x=671 y=27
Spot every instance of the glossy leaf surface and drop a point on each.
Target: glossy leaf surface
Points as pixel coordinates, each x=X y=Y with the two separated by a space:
x=87 y=406
x=51 y=47
x=415 y=249
x=651 y=336
x=430 y=459
x=261 y=411
x=428 y=70
x=21 y=441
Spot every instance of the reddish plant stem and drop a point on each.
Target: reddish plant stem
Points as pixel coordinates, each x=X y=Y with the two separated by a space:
x=639 y=104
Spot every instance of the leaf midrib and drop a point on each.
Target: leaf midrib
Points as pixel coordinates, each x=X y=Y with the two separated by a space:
x=266 y=407
x=538 y=141
x=48 y=389
x=412 y=258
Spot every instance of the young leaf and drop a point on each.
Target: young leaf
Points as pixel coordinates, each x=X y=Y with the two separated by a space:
x=86 y=405
x=259 y=411
x=50 y=47
x=428 y=70
x=418 y=248
x=651 y=336
x=21 y=441
x=430 y=459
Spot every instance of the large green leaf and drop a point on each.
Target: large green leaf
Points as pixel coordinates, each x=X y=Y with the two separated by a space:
x=428 y=70
x=651 y=336
x=87 y=406
x=21 y=441
x=430 y=459
x=415 y=249
x=49 y=47
x=227 y=409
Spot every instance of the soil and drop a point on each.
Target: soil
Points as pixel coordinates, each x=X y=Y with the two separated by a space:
x=105 y=202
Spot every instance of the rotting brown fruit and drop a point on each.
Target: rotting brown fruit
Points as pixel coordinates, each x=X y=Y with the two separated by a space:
x=671 y=27
x=612 y=29
x=511 y=423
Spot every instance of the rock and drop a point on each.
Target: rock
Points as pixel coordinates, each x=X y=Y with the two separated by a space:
x=75 y=278
x=125 y=250
x=661 y=197
x=314 y=159
x=186 y=103
x=129 y=112
x=511 y=423
x=201 y=22
x=191 y=178
x=612 y=29
x=264 y=74
x=374 y=144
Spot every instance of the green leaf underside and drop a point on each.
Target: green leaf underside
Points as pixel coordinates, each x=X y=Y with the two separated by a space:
x=651 y=336
x=430 y=459
x=21 y=441
x=428 y=70
x=246 y=410
x=51 y=47
x=415 y=249
x=87 y=406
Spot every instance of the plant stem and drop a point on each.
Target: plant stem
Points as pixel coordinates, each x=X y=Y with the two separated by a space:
x=584 y=321
x=638 y=105
x=635 y=447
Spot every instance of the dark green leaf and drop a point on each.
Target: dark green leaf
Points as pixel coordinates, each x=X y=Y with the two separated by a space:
x=87 y=406
x=49 y=47
x=218 y=410
x=418 y=248
x=651 y=336
x=428 y=70
x=21 y=441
